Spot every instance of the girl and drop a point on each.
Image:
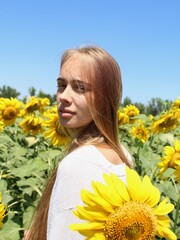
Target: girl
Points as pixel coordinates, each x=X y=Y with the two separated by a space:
x=89 y=93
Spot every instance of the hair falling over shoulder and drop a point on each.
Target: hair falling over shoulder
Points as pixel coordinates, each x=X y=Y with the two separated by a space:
x=38 y=228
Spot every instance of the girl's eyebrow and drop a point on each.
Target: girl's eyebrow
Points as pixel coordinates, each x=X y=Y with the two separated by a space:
x=61 y=79
x=75 y=81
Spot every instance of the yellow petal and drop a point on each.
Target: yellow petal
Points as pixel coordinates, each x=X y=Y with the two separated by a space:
x=148 y=193
x=163 y=221
x=163 y=208
x=97 y=236
x=133 y=182
x=120 y=187
x=87 y=226
x=107 y=193
x=90 y=214
x=166 y=233
x=91 y=199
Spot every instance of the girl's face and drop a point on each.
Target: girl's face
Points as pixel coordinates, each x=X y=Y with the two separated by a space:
x=72 y=95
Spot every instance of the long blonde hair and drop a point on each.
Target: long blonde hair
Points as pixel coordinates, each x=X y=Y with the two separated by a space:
x=103 y=72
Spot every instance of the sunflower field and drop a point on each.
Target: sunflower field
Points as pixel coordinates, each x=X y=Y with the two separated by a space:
x=32 y=143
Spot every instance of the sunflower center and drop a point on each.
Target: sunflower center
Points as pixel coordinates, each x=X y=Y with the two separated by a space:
x=9 y=113
x=132 y=221
x=33 y=108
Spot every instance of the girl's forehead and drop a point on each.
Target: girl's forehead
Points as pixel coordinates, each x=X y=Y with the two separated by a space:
x=76 y=67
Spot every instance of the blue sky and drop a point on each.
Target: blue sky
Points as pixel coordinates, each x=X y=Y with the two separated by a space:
x=143 y=36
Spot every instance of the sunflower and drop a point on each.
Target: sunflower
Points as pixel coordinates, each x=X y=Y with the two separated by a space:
x=2 y=211
x=167 y=121
x=35 y=104
x=140 y=132
x=10 y=109
x=131 y=111
x=171 y=158
x=55 y=131
x=123 y=118
x=116 y=211
x=32 y=125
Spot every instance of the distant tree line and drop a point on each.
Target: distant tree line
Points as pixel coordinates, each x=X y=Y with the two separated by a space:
x=154 y=106
x=9 y=92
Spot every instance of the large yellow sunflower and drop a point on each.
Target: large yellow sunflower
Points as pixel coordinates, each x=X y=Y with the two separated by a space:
x=140 y=132
x=119 y=212
x=2 y=211
x=10 y=109
x=55 y=131
x=171 y=158
x=167 y=122
x=32 y=125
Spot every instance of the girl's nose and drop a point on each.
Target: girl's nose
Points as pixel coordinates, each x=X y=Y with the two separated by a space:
x=64 y=96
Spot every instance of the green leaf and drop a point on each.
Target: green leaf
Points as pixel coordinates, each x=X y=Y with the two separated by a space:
x=10 y=230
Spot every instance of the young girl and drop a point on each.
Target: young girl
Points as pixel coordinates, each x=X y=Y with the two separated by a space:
x=88 y=96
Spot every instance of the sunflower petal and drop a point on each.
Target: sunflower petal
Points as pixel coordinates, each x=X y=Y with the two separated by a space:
x=92 y=200
x=133 y=182
x=163 y=208
x=166 y=233
x=87 y=226
x=90 y=214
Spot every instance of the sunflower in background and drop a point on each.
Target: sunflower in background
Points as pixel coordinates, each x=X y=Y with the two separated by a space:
x=171 y=158
x=131 y=111
x=140 y=132
x=35 y=104
x=10 y=110
x=54 y=131
x=32 y=124
x=127 y=212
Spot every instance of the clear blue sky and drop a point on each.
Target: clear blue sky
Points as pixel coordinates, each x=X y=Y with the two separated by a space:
x=142 y=35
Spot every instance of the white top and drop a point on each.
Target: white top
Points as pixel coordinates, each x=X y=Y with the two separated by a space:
x=76 y=172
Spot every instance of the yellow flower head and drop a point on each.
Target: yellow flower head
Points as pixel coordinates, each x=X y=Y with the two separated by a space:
x=32 y=125
x=131 y=110
x=123 y=118
x=165 y=123
x=9 y=110
x=171 y=158
x=116 y=211
x=2 y=211
x=140 y=132
x=35 y=104
x=55 y=131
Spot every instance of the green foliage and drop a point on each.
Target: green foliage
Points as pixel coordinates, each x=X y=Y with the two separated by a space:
x=8 y=92
x=25 y=165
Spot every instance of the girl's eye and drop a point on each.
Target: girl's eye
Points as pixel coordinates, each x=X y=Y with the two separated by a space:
x=61 y=86
x=81 y=88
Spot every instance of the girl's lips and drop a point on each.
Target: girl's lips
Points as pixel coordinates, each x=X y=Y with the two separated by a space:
x=66 y=113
